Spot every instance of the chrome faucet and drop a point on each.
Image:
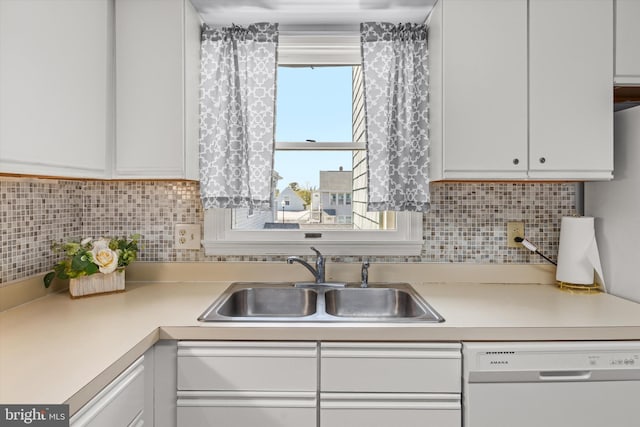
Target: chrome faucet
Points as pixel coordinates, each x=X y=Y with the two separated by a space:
x=318 y=272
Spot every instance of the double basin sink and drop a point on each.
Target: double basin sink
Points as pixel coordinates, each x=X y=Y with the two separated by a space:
x=312 y=302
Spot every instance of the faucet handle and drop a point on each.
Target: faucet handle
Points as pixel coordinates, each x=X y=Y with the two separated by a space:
x=365 y=273
x=319 y=266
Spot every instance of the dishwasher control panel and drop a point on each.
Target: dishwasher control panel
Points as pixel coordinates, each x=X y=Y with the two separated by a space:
x=545 y=360
x=553 y=356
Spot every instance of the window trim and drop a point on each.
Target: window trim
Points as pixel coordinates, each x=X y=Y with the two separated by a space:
x=221 y=239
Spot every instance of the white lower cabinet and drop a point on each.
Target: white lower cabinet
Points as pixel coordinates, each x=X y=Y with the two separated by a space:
x=389 y=384
x=234 y=409
x=246 y=384
x=389 y=409
x=390 y=367
x=121 y=403
x=309 y=384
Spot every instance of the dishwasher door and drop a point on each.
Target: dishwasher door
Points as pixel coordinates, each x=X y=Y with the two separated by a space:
x=559 y=384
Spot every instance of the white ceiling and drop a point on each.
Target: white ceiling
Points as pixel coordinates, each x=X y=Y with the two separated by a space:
x=313 y=16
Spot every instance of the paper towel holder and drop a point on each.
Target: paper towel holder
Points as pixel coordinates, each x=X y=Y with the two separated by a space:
x=579 y=268
x=582 y=289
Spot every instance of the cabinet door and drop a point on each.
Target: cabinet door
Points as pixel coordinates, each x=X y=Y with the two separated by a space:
x=157 y=43
x=485 y=88
x=247 y=366
x=627 y=42
x=386 y=409
x=121 y=403
x=390 y=367
x=247 y=409
x=571 y=96
x=56 y=87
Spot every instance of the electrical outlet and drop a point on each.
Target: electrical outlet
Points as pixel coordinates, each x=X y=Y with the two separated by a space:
x=187 y=236
x=514 y=229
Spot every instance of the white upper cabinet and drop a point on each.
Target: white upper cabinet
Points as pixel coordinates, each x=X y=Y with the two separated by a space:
x=521 y=89
x=56 y=87
x=157 y=79
x=477 y=51
x=627 y=19
x=570 y=89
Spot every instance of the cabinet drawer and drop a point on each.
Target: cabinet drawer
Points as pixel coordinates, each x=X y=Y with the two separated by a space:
x=258 y=366
x=389 y=409
x=119 y=404
x=234 y=409
x=390 y=367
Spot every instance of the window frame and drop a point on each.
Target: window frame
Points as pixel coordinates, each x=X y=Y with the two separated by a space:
x=221 y=239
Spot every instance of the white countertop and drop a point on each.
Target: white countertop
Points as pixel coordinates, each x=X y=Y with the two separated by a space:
x=56 y=349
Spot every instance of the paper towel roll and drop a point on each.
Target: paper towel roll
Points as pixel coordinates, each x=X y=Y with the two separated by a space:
x=578 y=256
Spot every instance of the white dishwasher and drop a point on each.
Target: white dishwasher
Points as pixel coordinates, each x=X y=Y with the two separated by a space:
x=551 y=384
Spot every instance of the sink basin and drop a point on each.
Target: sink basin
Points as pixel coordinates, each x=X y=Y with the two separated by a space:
x=264 y=302
x=311 y=302
x=372 y=302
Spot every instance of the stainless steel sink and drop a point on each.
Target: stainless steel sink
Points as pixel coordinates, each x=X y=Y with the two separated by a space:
x=270 y=302
x=373 y=302
x=306 y=302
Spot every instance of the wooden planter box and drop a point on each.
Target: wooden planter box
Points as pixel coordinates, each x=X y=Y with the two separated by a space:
x=97 y=284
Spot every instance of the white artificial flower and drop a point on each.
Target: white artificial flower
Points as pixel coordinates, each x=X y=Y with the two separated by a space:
x=105 y=258
x=86 y=241
x=101 y=243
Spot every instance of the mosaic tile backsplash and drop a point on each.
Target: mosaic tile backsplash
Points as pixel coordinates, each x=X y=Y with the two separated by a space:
x=466 y=224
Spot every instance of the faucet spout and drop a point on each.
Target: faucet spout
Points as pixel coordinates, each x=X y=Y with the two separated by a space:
x=308 y=266
x=318 y=272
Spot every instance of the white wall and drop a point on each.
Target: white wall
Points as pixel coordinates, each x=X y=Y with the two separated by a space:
x=616 y=207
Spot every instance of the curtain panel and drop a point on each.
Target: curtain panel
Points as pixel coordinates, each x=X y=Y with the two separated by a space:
x=394 y=61
x=237 y=107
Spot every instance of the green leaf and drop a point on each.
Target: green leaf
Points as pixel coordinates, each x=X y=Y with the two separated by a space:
x=91 y=269
x=48 y=278
x=79 y=262
x=72 y=248
x=61 y=269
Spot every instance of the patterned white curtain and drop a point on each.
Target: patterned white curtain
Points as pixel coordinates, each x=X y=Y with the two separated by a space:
x=237 y=106
x=394 y=61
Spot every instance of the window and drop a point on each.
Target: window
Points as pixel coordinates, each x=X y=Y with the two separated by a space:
x=320 y=177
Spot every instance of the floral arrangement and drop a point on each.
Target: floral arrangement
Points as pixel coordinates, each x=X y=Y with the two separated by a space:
x=91 y=256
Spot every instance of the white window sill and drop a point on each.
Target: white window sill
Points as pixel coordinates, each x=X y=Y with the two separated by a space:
x=220 y=239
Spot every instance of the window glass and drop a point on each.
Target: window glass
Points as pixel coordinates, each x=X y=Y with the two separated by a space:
x=313 y=103
x=324 y=187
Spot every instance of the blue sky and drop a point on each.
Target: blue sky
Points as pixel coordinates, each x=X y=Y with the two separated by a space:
x=312 y=103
